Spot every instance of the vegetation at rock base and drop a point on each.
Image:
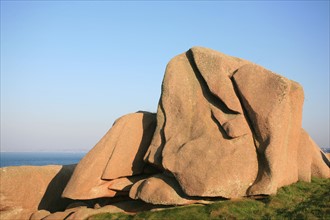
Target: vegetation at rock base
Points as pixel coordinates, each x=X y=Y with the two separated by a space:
x=298 y=201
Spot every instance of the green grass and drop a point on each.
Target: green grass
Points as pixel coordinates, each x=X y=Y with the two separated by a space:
x=298 y=201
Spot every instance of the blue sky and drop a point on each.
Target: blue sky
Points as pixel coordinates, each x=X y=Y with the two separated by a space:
x=70 y=68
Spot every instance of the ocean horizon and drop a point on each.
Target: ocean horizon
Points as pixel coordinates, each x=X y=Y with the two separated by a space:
x=39 y=158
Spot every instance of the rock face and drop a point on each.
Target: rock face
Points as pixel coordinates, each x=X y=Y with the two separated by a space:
x=200 y=110
x=26 y=189
x=274 y=107
x=227 y=127
x=224 y=127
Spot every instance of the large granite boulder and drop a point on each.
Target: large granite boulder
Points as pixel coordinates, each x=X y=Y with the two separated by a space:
x=227 y=127
x=26 y=189
x=118 y=154
x=203 y=136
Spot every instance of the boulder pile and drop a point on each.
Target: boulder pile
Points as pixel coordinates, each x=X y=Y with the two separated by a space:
x=224 y=128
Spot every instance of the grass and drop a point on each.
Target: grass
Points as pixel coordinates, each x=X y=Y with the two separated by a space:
x=298 y=201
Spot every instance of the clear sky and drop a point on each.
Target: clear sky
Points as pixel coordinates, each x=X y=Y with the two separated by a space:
x=70 y=68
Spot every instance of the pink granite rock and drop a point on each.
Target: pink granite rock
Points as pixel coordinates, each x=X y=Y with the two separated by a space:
x=118 y=154
x=26 y=189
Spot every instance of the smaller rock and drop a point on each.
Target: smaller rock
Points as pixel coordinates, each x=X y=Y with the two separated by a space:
x=124 y=184
x=118 y=154
x=160 y=190
x=131 y=146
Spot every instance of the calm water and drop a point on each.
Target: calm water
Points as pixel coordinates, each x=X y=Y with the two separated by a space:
x=39 y=158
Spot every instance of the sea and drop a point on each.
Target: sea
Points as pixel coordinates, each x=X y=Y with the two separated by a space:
x=39 y=158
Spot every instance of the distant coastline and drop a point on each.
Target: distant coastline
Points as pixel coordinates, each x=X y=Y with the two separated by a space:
x=39 y=158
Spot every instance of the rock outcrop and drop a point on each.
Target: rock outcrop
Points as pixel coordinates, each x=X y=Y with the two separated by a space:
x=198 y=141
x=229 y=128
x=26 y=189
x=224 y=128
x=118 y=154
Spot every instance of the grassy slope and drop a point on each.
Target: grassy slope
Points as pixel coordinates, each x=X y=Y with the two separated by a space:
x=298 y=201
